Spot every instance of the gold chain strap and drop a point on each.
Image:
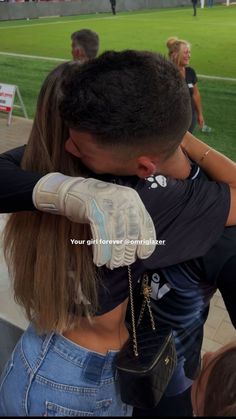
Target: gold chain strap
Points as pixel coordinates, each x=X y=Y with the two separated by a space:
x=146 y=291
x=135 y=343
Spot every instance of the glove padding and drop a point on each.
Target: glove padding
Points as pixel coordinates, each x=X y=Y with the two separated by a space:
x=115 y=213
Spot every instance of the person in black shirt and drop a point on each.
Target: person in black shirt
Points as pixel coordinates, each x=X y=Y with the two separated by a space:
x=191 y=285
x=179 y=53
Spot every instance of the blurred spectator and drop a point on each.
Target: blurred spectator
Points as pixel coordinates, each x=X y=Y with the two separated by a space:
x=194 y=7
x=85 y=45
x=179 y=54
x=113 y=6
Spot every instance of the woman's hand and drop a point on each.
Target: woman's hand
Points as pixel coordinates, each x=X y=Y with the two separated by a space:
x=200 y=120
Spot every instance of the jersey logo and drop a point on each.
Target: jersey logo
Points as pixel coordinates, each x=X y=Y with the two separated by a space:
x=158 y=289
x=156 y=181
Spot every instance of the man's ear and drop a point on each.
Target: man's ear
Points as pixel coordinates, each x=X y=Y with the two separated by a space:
x=146 y=167
x=82 y=55
x=76 y=53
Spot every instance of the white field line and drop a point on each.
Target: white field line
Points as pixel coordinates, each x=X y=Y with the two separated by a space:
x=27 y=25
x=34 y=57
x=203 y=76
x=37 y=57
x=131 y=16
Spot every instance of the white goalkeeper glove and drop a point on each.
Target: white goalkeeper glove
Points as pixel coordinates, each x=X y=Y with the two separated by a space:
x=115 y=213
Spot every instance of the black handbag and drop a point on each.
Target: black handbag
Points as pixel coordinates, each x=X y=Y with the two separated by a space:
x=148 y=359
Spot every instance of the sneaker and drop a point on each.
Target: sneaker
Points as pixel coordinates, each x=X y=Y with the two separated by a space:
x=205 y=128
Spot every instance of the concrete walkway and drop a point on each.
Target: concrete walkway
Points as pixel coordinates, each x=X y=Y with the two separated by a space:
x=14 y=135
x=218 y=329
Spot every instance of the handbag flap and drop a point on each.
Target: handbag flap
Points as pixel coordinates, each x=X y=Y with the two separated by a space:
x=154 y=346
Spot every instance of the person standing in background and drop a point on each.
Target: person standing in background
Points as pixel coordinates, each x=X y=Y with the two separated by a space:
x=85 y=45
x=113 y=6
x=179 y=54
x=194 y=7
x=209 y=3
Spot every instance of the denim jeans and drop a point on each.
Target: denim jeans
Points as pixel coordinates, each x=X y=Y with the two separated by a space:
x=49 y=375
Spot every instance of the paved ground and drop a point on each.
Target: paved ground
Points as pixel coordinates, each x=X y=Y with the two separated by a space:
x=218 y=329
x=15 y=134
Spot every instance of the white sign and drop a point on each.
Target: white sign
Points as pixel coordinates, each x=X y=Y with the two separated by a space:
x=7 y=94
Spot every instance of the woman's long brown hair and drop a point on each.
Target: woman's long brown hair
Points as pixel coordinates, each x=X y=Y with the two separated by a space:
x=54 y=280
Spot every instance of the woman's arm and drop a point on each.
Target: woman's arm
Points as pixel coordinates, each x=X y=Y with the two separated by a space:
x=217 y=166
x=198 y=105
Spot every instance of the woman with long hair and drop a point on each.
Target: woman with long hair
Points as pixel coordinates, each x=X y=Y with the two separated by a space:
x=64 y=363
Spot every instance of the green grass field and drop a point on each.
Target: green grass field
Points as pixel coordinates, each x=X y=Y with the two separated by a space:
x=212 y=35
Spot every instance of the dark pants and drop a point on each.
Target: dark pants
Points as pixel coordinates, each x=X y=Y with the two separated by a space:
x=194 y=9
x=113 y=7
x=179 y=405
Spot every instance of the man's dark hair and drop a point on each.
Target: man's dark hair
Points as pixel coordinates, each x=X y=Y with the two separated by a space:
x=128 y=98
x=88 y=40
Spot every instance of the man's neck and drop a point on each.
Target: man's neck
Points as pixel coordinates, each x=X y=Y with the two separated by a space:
x=177 y=166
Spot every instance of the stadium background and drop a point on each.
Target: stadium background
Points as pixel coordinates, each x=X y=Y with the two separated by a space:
x=29 y=49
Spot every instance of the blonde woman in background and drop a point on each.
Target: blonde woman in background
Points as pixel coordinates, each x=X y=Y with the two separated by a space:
x=180 y=53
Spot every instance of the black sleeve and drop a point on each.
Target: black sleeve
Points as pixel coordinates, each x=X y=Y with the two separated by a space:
x=227 y=287
x=191 y=76
x=16 y=185
x=219 y=266
x=189 y=217
x=194 y=75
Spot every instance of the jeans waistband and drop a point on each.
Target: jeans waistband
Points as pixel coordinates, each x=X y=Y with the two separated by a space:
x=91 y=361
